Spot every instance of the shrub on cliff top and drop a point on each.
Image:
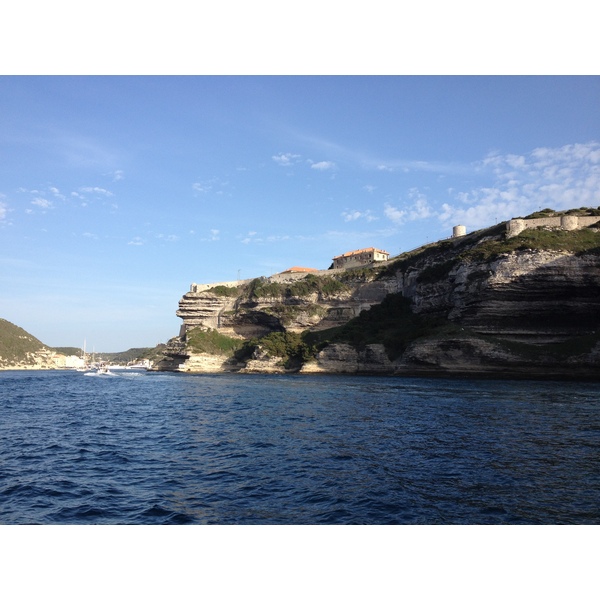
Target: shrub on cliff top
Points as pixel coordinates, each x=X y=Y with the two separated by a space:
x=223 y=290
x=581 y=241
x=327 y=286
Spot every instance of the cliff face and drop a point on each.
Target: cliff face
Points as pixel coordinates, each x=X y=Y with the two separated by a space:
x=245 y=315
x=481 y=304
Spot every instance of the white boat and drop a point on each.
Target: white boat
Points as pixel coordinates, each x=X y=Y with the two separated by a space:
x=101 y=371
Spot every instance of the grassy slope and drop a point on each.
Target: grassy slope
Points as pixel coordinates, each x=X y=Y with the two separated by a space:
x=16 y=343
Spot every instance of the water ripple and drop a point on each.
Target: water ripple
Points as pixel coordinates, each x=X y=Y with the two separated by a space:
x=173 y=449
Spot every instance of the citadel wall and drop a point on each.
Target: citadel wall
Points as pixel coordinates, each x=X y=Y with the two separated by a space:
x=565 y=222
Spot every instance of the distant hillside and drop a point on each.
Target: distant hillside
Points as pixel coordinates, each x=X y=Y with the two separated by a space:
x=68 y=350
x=116 y=358
x=127 y=356
x=16 y=343
x=21 y=350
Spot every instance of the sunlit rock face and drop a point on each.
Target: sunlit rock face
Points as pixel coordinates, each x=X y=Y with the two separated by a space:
x=517 y=311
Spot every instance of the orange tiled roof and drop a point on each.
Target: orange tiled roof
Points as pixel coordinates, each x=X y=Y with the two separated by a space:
x=354 y=252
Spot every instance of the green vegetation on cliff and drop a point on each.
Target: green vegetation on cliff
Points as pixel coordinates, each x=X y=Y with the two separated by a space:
x=391 y=323
x=16 y=344
x=581 y=241
x=225 y=291
x=436 y=260
x=287 y=345
x=211 y=342
x=324 y=286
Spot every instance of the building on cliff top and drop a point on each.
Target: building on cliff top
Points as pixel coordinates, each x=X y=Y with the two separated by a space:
x=359 y=257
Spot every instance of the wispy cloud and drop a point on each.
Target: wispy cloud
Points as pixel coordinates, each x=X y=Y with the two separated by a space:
x=214 y=235
x=558 y=178
x=136 y=241
x=354 y=215
x=118 y=175
x=214 y=185
x=371 y=161
x=56 y=193
x=201 y=188
x=324 y=165
x=252 y=237
x=168 y=237
x=3 y=211
x=287 y=159
x=81 y=151
x=95 y=190
x=417 y=208
x=43 y=203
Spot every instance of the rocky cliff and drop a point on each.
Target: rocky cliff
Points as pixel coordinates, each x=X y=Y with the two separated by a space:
x=482 y=304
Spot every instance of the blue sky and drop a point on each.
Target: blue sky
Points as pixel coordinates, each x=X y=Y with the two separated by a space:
x=116 y=193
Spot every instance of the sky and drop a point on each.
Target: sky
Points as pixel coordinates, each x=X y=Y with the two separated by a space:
x=117 y=193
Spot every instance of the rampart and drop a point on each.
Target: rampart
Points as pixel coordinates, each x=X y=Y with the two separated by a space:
x=566 y=222
x=202 y=287
x=278 y=278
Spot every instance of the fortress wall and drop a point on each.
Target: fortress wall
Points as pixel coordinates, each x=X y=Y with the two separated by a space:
x=587 y=221
x=202 y=287
x=291 y=277
x=566 y=222
x=278 y=278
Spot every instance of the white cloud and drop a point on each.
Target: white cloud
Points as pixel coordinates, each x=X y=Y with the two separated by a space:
x=324 y=165
x=394 y=214
x=369 y=188
x=136 y=241
x=118 y=175
x=3 y=211
x=56 y=193
x=214 y=185
x=251 y=237
x=42 y=203
x=353 y=215
x=95 y=190
x=287 y=159
x=168 y=238
x=558 y=178
x=202 y=188
x=419 y=209
x=214 y=235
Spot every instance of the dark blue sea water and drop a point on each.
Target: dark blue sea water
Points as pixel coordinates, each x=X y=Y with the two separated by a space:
x=153 y=448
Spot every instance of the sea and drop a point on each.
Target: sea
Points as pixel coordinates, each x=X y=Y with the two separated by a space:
x=150 y=448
